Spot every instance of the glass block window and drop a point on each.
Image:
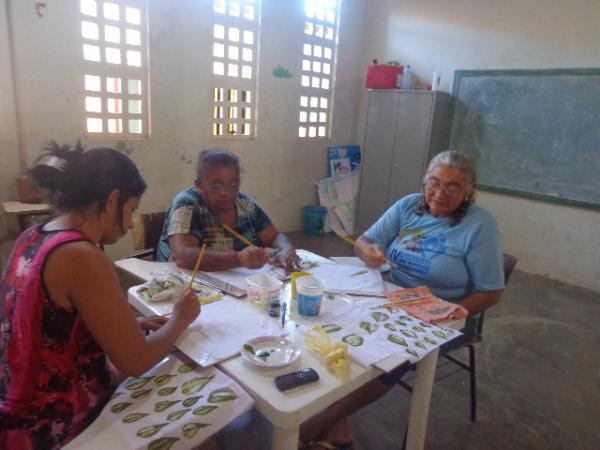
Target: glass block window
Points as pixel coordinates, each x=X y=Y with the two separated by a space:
x=115 y=80
x=236 y=29
x=319 y=50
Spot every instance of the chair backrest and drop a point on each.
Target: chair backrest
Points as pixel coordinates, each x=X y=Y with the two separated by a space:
x=146 y=230
x=509 y=264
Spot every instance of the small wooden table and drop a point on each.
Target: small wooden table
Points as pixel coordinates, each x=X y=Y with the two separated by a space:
x=23 y=211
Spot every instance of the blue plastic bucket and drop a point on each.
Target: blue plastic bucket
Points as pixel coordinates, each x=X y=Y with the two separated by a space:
x=314 y=218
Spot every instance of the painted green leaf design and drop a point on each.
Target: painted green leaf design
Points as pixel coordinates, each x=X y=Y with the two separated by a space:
x=353 y=339
x=137 y=383
x=120 y=407
x=392 y=309
x=390 y=327
x=191 y=401
x=409 y=333
x=166 y=391
x=399 y=322
x=369 y=327
x=164 y=443
x=379 y=316
x=412 y=352
x=439 y=334
x=421 y=345
x=150 y=431
x=176 y=415
x=165 y=404
x=429 y=340
x=115 y=395
x=134 y=417
x=397 y=340
x=425 y=324
x=141 y=393
x=203 y=410
x=186 y=368
x=418 y=328
x=405 y=318
x=281 y=72
x=190 y=429
x=331 y=328
x=249 y=348
x=195 y=385
x=164 y=379
x=222 y=395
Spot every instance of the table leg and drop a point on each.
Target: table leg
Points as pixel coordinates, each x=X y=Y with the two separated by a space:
x=419 y=402
x=285 y=438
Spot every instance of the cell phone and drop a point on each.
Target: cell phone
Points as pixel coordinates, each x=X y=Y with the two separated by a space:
x=295 y=379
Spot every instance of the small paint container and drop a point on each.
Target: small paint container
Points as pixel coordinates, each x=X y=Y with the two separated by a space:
x=263 y=289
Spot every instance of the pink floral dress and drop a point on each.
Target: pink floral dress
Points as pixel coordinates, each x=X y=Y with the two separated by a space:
x=54 y=377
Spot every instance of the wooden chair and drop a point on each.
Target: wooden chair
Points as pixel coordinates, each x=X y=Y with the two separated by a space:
x=509 y=264
x=146 y=231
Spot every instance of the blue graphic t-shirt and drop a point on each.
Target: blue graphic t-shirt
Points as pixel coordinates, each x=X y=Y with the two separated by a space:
x=451 y=261
x=190 y=215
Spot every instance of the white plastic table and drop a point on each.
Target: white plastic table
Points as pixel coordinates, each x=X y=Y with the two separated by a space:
x=286 y=411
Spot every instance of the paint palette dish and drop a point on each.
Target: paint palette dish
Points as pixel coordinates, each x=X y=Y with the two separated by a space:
x=270 y=351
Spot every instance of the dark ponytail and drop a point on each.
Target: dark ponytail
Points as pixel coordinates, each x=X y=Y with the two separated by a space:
x=75 y=179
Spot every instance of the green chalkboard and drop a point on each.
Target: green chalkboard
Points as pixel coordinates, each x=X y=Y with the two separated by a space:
x=533 y=133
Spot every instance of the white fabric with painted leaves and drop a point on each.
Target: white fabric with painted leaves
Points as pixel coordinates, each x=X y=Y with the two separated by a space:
x=175 y=405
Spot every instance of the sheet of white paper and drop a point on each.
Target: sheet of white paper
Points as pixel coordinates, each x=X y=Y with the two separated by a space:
x=348 y=279
x=339 y=195
x=222 y=328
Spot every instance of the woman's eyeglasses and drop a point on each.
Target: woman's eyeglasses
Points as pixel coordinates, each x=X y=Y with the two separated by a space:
x=219 y=187
x=432 y=185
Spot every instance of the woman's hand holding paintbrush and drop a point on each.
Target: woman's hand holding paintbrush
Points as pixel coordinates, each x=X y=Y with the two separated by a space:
x=187 y=307
x=253 y=257
x=369 y=252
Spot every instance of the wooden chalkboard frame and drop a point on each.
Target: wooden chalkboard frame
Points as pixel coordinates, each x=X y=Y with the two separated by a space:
x=459 y=75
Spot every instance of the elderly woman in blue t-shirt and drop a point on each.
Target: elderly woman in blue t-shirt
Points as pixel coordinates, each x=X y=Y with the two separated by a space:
x=439 y=239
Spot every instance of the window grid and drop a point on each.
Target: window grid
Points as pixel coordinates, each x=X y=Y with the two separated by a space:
x=236 y=28
x=115 y=80
x=319 y=50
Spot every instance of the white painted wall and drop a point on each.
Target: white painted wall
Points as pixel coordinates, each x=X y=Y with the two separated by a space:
x=279 y=170
x=560 y=242
x=9 y=166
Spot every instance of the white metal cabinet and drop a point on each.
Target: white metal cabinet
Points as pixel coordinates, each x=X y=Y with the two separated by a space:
x=404 y=130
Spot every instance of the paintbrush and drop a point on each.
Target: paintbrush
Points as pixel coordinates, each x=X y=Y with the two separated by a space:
x=194 y=273
x=197 y=266
x=238 y=235
x=352 y=241
x=271 y=251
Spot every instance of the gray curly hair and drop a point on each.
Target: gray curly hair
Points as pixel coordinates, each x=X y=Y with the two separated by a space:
x=466 y=165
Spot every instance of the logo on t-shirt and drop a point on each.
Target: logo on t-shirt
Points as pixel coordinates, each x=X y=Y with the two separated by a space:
x=414 y=251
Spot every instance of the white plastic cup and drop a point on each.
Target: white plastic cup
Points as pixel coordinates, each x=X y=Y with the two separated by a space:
x=263 y=289
x=310 y=290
